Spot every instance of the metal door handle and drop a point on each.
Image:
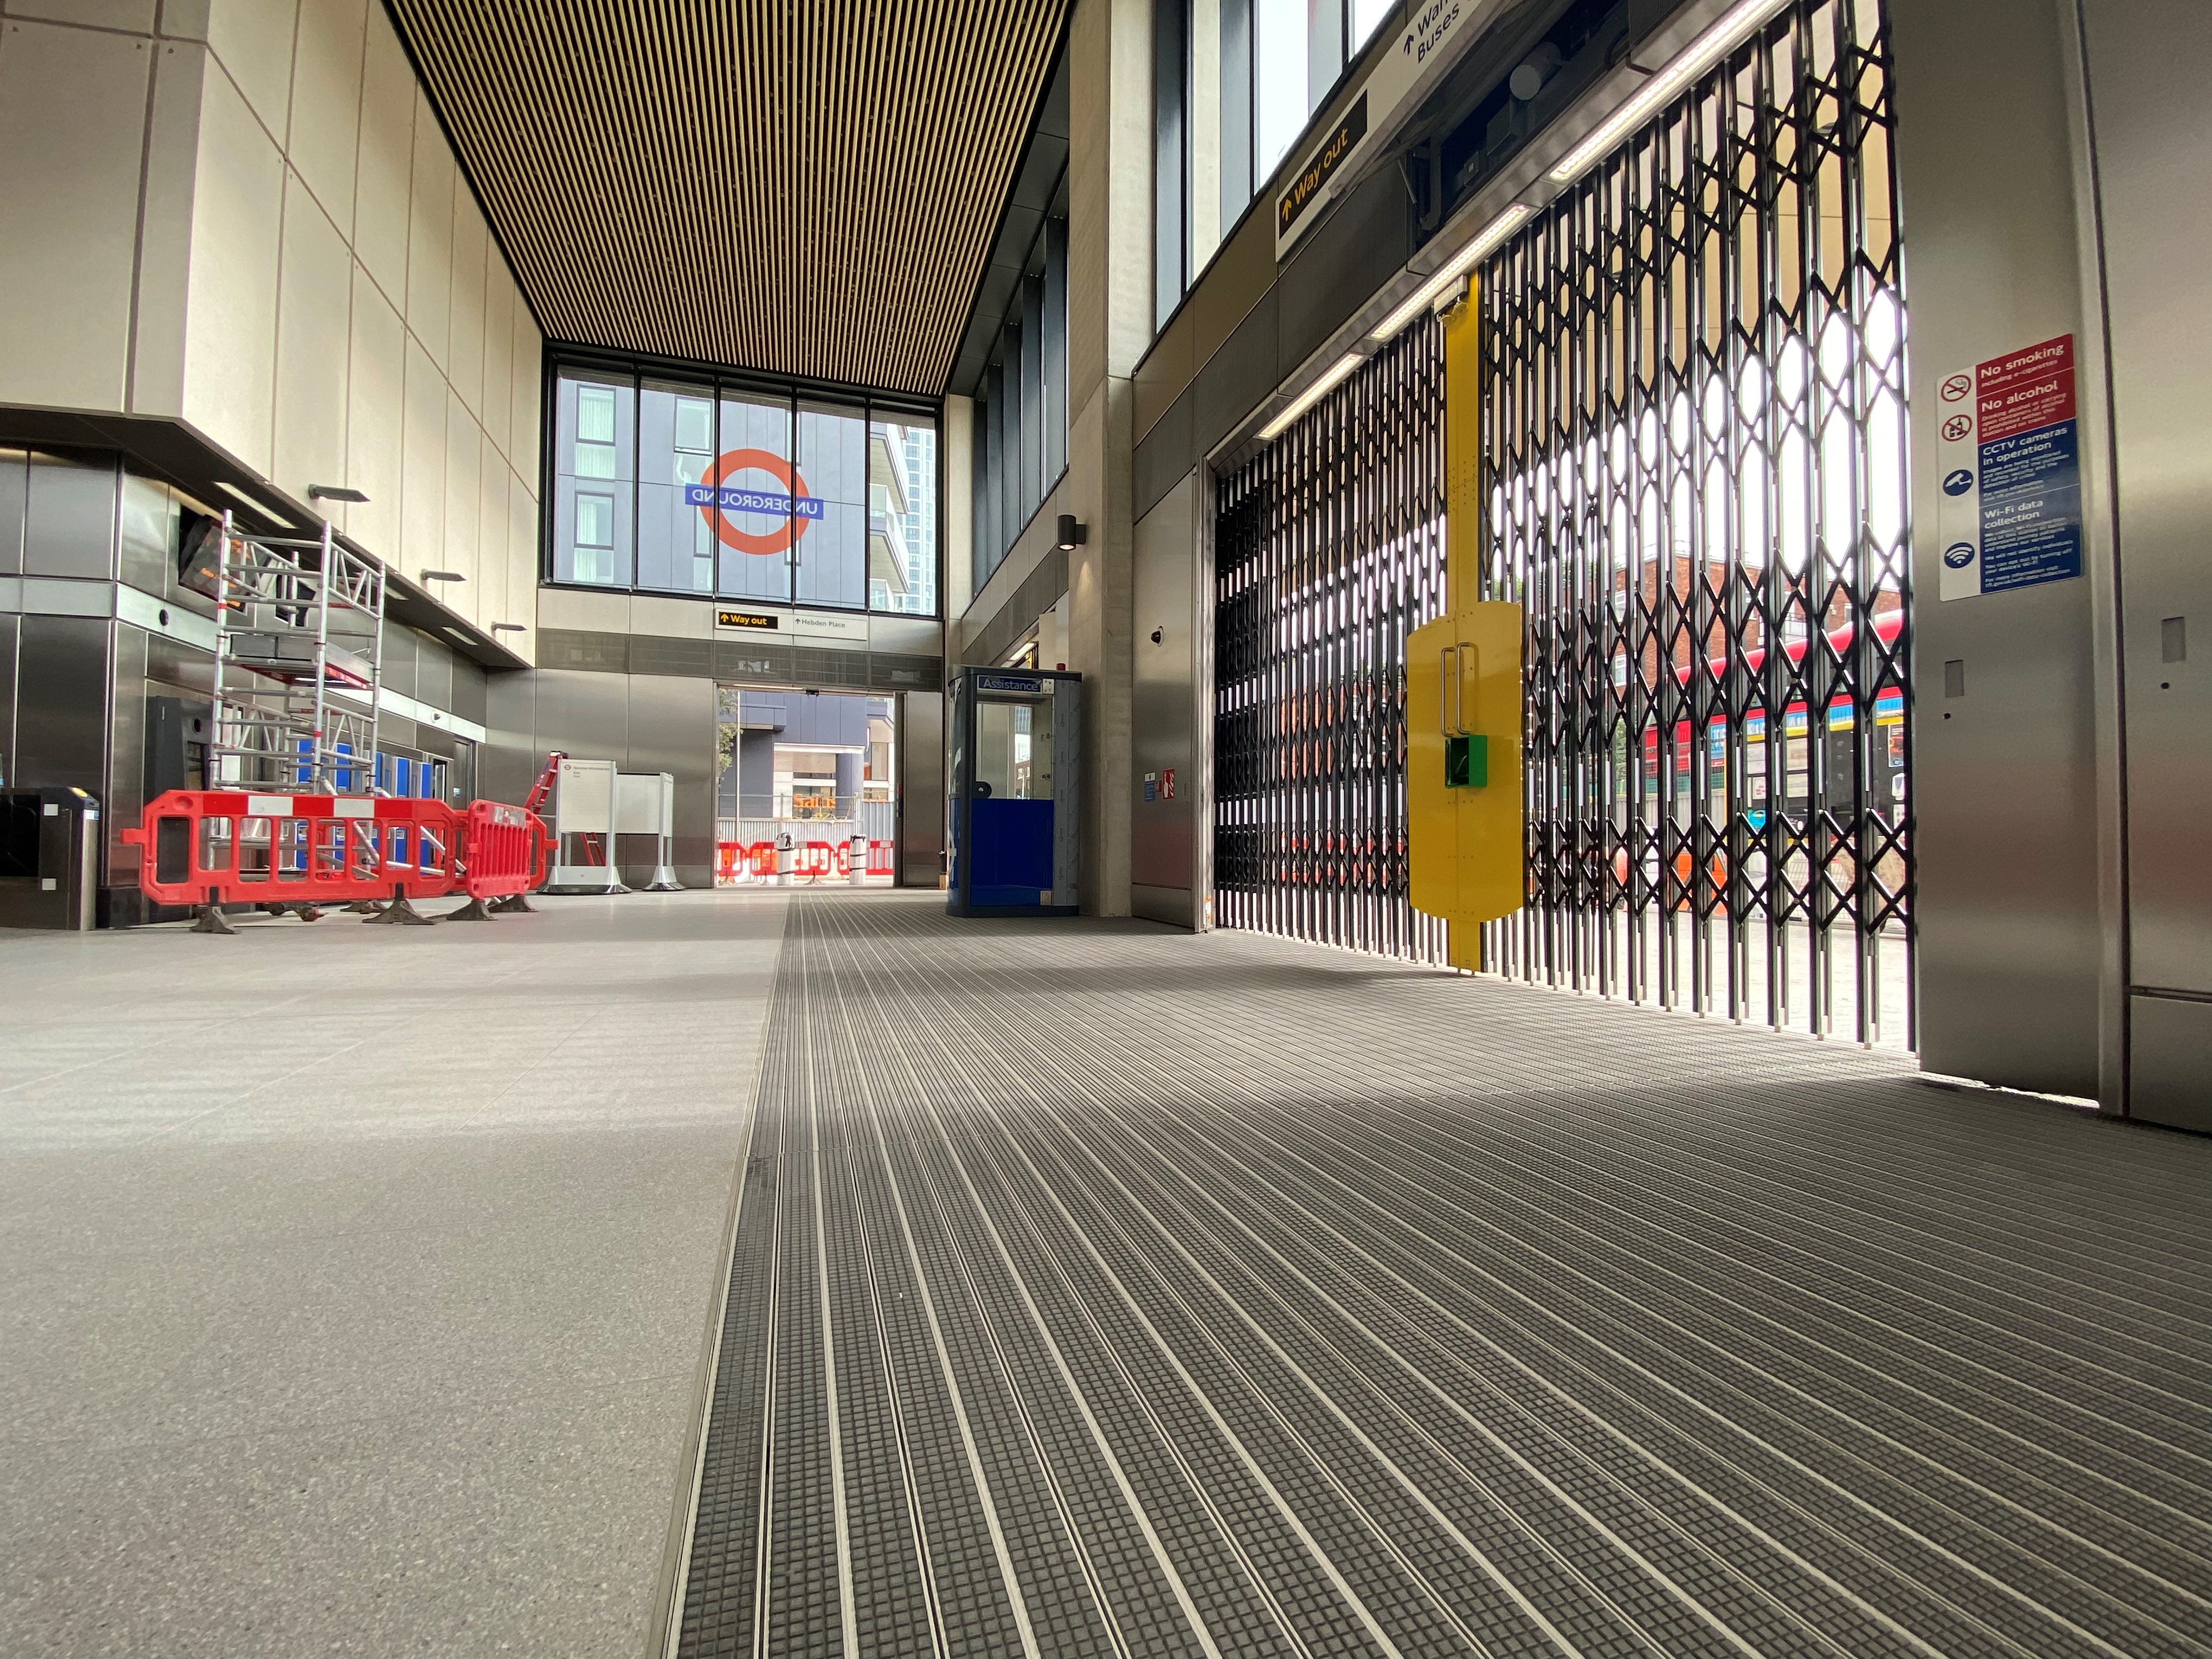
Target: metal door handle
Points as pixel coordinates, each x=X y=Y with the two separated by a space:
x=1453 y=699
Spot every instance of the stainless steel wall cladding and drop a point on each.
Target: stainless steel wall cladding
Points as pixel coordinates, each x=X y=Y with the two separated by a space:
x=1695 y=480
x=1328 y=550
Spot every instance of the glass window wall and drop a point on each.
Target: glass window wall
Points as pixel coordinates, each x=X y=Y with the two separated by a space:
x=1279 y=59
x=595 y=429
x=1021 y=398
x=902 y=518
x=676 y=448
x=670 y=486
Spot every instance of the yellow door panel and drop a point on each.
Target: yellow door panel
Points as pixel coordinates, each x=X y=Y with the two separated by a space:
x=1466 y=850
x=1492 y=882
x=1431 y=806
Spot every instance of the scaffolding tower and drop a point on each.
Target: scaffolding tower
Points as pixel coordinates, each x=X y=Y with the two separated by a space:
x=299 y=664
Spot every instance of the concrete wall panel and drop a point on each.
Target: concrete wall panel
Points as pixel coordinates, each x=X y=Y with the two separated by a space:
x=471 y=239
x=430 y=235
x=77 y=101
x=423 y=462
x=313 y=330
x=326 y=131
x=522 y=571
x=387 y=164
x=487 y=601
x=464 y=463
x=495 y=403
x=375 y=393
x=230 y=337
x=253 y=39
x=528 y=367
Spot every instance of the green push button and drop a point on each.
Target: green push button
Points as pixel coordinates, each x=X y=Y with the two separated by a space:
x=1467 y=763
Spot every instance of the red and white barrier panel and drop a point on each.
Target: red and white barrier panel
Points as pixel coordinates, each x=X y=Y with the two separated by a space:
x=216 y=847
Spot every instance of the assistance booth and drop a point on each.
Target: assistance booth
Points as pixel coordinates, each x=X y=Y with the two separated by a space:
x=1016 y=757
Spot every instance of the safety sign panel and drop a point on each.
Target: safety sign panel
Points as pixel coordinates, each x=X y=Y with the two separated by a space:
x=2009 y=446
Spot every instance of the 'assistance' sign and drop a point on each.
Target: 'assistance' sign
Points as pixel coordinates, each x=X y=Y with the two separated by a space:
x=2010 y=512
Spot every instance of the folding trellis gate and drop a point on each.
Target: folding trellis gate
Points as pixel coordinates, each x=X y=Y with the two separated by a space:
x=1695 y=455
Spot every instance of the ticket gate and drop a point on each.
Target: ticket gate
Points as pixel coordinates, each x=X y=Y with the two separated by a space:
x=1017 y=762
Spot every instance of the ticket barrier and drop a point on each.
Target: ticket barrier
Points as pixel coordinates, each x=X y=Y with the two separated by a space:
x=1016 y=766
x=49 y=859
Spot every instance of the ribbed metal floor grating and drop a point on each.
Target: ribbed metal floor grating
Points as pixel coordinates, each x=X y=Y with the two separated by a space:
x=1103 y=1290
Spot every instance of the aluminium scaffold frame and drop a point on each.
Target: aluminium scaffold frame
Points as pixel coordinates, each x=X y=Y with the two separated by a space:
x=299 y=665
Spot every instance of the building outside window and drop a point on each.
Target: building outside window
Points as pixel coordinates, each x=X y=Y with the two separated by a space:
x=685 y=487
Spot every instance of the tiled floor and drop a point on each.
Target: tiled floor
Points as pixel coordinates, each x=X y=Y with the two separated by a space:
x=353 y=1280
x=1102 y=1291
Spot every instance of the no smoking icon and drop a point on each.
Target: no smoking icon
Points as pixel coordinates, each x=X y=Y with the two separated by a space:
x=1958 y=427
x=1957 y=387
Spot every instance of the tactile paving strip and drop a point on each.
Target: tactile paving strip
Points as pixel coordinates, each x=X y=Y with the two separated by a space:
x=1104 y=1291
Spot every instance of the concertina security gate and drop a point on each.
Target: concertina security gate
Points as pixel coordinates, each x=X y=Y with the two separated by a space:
x=1695 y=473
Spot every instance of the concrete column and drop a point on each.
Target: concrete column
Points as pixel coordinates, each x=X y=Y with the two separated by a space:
x=957 y=505
x=1109 y=328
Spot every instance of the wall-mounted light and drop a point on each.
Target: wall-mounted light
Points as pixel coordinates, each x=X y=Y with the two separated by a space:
x=1454 y=269
x=1313 y=394
x=1073 y=533
x=336 y=493
x=443 y=576
x=1688 y=63
x=508 y=627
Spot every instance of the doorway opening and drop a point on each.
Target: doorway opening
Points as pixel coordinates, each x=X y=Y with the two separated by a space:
x=804 y=788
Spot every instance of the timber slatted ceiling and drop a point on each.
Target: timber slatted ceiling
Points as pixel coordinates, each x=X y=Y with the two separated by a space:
x=804 y=187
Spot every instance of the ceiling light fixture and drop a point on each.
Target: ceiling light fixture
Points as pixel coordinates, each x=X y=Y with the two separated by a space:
x=1313 y=394
x=1689 y=63
x=268 y=513
x=1456 y=269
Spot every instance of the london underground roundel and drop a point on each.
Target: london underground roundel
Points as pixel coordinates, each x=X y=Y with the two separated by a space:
x=725 y=496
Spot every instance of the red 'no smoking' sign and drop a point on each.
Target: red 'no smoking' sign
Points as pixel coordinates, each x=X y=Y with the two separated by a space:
x=1957 y=386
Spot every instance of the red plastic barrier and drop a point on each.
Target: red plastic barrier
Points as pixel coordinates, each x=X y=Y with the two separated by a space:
x=231 y=847
x=503 y=850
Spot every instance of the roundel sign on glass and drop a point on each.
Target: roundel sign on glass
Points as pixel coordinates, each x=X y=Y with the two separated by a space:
x=755 y=501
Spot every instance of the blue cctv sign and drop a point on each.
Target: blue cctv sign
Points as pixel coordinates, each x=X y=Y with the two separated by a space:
x=753 y=500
